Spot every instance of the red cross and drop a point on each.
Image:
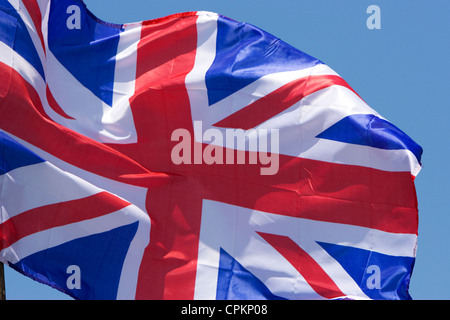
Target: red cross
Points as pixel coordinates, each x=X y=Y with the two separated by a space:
x=302 y=188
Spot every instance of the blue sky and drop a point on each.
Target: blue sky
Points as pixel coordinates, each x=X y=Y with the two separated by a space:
x=400 y=70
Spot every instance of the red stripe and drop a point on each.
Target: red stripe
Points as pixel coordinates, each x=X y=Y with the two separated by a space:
x=314 y=190
x=55 y=106
x=58 y=214
x=35 y=14
x=169 y=17
x=166 y=54
x=276 y=102
x=311 y=271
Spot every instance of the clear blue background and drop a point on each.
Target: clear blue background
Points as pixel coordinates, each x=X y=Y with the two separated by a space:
x=401 y=70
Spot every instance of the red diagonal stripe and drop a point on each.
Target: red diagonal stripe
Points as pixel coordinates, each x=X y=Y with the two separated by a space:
x=55 y=106
x=35 y=14
x=58 y=214
x=276 y=102
x=311 y=271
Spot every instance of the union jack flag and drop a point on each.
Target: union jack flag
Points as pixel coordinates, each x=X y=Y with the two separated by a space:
x=116 y=158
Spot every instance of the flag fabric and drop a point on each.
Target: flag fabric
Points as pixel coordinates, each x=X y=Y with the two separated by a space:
x=194 y=157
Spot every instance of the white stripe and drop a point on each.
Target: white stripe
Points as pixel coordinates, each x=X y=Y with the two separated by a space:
x=204 y=57
x=15 y=4
x=93 y=118
x=133 y=194
x=55 y=236
x=15 y=61
x=322 y=109
x=124 y=82
x=37 y=185
x=43 y=5
x=130 y=271
x=393 y=244
x=126 y=60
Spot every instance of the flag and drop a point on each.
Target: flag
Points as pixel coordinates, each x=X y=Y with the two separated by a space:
x=194 y=157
